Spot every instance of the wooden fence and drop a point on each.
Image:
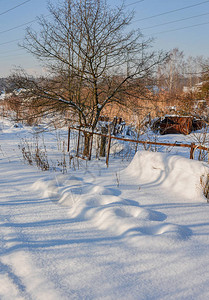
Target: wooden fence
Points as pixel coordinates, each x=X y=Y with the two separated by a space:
x=191 y=146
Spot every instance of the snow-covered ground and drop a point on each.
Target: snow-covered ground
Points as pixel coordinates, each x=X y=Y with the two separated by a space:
x=137 y=230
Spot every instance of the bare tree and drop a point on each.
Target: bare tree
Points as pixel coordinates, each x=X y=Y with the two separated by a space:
x=171 y=74
x=91 y=57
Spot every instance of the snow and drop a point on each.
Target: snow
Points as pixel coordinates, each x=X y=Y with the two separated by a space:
x=135 y=230
x=169 y=171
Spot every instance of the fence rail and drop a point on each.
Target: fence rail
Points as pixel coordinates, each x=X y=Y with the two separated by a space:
x=110 y=137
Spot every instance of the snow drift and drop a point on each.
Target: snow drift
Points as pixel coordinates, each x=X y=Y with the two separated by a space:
x=122 y=213
x=178 y=174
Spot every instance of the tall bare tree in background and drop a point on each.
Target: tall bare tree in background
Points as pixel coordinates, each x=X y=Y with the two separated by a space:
x=91 y=57
x=171 y=74
x=182 y=81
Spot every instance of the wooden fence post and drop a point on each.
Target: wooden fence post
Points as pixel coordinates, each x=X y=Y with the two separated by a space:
x=192 y=150
x=108 y=149
x=68 y=140
x=91 y=144
x=115 y=120
x=78 y=144
x=104 y=132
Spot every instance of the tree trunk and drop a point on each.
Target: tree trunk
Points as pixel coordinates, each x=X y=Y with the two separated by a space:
x=104 y=130
x=87 y=139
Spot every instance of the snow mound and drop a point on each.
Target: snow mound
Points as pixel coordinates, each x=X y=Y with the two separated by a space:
x=175 y=231
x=106 y=207
x=178 y=174
x=48 y=189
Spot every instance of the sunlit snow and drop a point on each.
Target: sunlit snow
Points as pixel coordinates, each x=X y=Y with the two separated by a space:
x=136 y=230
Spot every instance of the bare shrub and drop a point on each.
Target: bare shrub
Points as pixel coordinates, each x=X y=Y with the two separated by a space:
x=202 y=139
x=34 y=155
x=26 y=151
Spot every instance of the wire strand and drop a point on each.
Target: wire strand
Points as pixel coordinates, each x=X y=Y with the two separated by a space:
x=175 y=21
x=13 y=28
x=8 y=10
x=134 y=3
x=181 y=28
x=172 y=11
x=9 y=42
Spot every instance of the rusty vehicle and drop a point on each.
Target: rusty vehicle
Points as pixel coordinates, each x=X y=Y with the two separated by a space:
x=176 y=124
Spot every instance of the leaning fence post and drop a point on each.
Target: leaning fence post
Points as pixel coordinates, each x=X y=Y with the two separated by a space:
x=192 y=150
x=108 y=149
x=68 y=140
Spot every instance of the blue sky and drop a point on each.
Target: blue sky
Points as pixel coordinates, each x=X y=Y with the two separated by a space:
x=193 y=40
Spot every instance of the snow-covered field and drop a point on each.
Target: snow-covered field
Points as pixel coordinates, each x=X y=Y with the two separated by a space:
x=137 y=230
